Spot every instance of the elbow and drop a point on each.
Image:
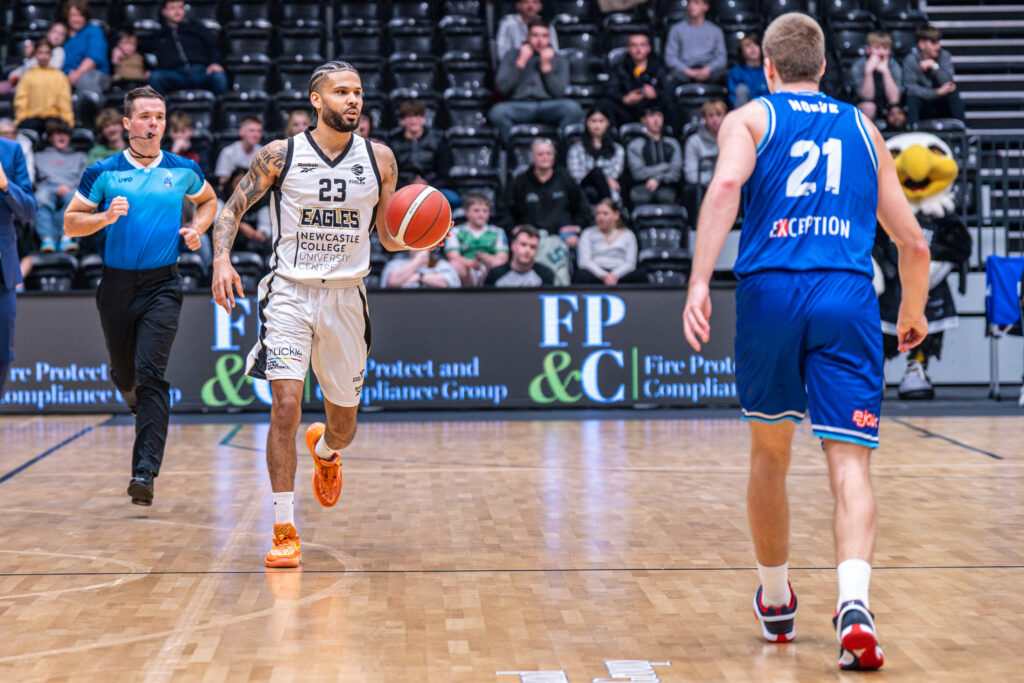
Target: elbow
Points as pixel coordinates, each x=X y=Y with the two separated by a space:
x=918 y=250
x=723 y=187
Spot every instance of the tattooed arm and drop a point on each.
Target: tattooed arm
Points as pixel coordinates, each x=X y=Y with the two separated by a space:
x=264 y=172
x=389 y=179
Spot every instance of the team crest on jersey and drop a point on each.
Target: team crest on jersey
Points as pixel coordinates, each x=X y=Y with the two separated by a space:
x=316 y=217
x=168 y=179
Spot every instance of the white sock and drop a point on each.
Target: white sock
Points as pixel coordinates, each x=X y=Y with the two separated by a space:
x=854 y=577
x=774 y=585
x=284 y=512
x=323 y=451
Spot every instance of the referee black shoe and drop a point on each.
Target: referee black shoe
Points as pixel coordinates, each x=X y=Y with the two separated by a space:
x=140 y=488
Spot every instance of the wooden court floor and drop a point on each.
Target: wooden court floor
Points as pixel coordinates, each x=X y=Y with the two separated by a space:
x=594 y=550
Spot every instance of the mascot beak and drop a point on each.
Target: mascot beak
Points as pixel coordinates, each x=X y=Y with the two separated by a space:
x=924 y=172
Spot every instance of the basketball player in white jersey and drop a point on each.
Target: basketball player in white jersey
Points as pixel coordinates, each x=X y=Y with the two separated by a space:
x=329 y=187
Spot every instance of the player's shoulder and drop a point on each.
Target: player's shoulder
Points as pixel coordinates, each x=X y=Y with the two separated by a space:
x=380 y=150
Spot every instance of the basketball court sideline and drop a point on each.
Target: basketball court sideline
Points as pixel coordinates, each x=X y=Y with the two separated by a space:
x=492 y=547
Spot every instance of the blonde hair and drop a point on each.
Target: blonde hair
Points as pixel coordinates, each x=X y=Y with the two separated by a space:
x=796 y=47
x=712 y=106
x=880 y=38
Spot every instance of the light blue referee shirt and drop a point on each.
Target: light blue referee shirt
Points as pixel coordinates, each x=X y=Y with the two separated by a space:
x=147 y=237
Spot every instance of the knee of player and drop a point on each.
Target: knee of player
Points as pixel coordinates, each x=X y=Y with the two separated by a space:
x=340 y=433
x=286 y=411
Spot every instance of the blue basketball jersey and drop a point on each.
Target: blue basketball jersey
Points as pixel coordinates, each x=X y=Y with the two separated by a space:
x=810 y=203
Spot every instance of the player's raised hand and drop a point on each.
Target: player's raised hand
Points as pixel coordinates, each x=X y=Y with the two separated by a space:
x=696 y=314
x=910 y=332
x=118 y=207
x=192 y=240
x=225 y=283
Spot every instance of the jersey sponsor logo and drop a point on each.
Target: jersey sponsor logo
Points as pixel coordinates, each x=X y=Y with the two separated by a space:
x=813 y=107
x=865 y=418
x=314 y=217
x=307 y=167
x=125 y=179
x=818 y=226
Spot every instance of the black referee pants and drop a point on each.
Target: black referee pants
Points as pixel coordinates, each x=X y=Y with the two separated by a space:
x=139 y=311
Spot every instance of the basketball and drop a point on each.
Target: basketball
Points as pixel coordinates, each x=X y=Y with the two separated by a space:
x=418 y=216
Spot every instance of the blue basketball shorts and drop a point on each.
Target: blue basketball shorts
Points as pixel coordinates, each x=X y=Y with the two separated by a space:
x=811 y=342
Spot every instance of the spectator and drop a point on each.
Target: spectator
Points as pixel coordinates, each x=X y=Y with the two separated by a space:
x=597 y=161
x=60 y=169
x=239 y=154
x=522 y=270
x=298 y=121
x=365 y=129
x=10 y=131
x=513 y=28
x=129 y=66
x=475 y=246
x=182 y=130
x=85 y=52
x=186 y=54
x=56 y=34
x=422 y=269
x=928 y=75
x=746 y=78
x=607 y=251
x=110 y=134
x=43 y=93
x=547 y=197
x=254 y=227
x=655 y=162
x=421 y=154
x=533 y=80
x=700 y=154
x=695 y=51
x=877 y=78
x=637 y=80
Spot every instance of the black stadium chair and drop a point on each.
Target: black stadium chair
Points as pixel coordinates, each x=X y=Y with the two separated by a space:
x=248 y=82
x=83 y=139
x=52 y=273
x=586 y=37
x=301 y=14
x=466 y=110
x=205 y=11
x=461 y=36
x=90 y=271
x=248 y=14
x=300 y=45
x=573 y=11
x=34 y=16
x=350 y=14
x=365 y=42
x=192 y=271
x=408 y=12
x=462 y=72
x=248 y=45
x=250 y=268
x=465 y=8
x=773 y=8
x=416 y=38
x=410 y=71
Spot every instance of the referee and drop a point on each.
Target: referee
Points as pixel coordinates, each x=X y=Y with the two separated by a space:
x=137 y=196
x=16 y=201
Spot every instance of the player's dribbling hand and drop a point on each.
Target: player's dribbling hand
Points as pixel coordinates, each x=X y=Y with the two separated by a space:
x=118 y=207
x=224 y=285
x=910 y=333
x=696 y=314
x=191 y=238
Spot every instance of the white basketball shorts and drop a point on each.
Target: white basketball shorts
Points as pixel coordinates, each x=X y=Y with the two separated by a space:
x=302 y=324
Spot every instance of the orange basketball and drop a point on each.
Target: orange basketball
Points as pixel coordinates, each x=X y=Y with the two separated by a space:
x=418 y=216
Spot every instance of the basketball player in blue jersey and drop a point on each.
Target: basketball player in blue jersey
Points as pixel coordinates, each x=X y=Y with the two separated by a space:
x=136 y=198
x=329 y=187
x=813 y=173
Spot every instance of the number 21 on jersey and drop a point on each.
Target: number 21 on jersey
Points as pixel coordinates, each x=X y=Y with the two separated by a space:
x=797 y=184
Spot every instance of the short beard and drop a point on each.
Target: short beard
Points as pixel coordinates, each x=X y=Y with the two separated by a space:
x=333 y=119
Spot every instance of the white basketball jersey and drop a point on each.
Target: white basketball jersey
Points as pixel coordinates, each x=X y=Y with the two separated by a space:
x=322 y=212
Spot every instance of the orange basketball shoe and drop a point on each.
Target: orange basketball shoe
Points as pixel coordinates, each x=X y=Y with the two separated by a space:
x=326 y=473
x=286 y=552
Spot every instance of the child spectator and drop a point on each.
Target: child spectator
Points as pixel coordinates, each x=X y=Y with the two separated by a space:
x=181 y=130
x=607 y=251
x=475 y=246
x=701 y=154
x=878 y=79
x=56 y=34
x=746 y=78
x=420 y=152
x=596 y=162
x=59 y=169
x=43 y=93
x=129 y=66
x=239 y=154
x=109 y=134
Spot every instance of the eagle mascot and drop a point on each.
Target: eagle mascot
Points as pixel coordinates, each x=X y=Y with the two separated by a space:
x=927 y=172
